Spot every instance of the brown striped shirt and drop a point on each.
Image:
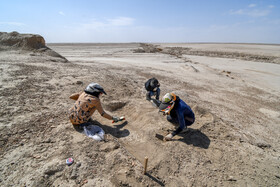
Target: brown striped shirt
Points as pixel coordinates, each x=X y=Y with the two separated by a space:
x=84 y=107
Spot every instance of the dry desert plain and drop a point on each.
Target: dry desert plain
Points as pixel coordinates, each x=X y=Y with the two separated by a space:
x=232 y=88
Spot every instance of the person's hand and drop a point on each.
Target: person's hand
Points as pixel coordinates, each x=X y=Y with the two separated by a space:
x=168 y=137
x=116 y=119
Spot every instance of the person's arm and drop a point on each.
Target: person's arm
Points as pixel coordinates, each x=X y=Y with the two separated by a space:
x=75 y=96
x=102 y=112
x=157 y=93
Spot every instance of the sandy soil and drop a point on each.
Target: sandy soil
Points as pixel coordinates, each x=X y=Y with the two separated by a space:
x=234 y=93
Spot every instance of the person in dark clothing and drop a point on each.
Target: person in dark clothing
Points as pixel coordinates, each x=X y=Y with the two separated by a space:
x=152 y=87
x=178 y=113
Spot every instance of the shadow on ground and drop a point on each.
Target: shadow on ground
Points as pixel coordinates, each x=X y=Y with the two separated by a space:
x=155 y=179
x=115 y=131
x=194 y=137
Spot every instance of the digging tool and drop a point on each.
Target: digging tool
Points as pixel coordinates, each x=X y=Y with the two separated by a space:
x=121 y=119
x=155 y=103
x=159 y=136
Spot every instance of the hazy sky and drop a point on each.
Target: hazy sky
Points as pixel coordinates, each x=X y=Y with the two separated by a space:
x=253 y=21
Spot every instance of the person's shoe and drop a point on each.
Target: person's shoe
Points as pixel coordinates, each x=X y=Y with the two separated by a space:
x=168 y=137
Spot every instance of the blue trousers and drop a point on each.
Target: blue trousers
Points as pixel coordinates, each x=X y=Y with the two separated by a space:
x=152 y=93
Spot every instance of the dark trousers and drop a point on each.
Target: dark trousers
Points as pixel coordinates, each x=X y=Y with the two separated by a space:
x=149 y=94
x=189 y=120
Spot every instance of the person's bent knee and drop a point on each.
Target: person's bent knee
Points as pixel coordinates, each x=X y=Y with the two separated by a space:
x=189 y=122
x=169 y=118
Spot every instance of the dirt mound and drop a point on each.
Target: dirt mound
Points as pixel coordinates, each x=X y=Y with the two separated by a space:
x=147 y=48
x=179 y=51
x=115 y=105
x=27 y=42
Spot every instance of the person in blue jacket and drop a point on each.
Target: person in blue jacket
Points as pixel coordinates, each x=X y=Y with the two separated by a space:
x=178 y=113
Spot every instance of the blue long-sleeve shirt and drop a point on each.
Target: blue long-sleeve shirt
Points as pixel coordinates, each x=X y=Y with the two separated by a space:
x=178 y=114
